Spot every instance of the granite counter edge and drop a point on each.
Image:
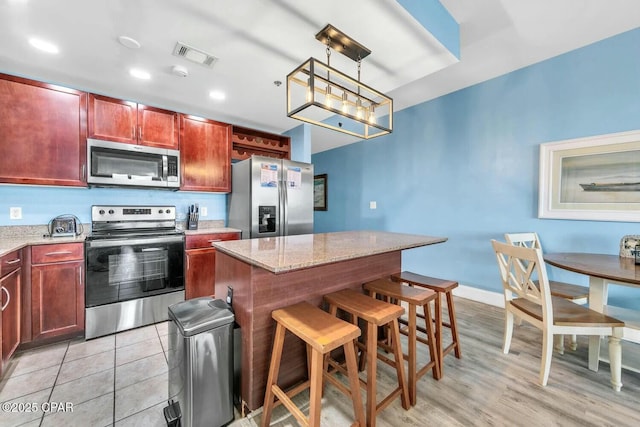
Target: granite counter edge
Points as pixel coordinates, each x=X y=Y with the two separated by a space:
x=315 y=263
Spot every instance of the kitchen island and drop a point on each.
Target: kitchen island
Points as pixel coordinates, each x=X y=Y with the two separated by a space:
x=270 y=273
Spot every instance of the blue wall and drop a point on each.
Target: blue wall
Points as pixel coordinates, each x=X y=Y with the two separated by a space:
x=40 y=204
x=465 y=165
x=300 y=143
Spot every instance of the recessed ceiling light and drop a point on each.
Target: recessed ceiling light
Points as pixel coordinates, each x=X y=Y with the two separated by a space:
x=129 y=42
x=217 y=95
x=139 y=74
x=43 y=45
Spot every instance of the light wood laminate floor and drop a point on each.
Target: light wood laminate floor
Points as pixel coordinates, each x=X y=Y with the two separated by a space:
x=488 y=388
x=122 y=380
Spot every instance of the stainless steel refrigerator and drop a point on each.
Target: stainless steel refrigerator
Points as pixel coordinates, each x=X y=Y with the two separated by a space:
x=271 y=197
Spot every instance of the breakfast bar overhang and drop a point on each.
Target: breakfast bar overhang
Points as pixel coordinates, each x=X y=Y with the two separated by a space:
x=269 y=273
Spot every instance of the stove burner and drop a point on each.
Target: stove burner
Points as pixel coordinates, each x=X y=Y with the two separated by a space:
x=112 y=221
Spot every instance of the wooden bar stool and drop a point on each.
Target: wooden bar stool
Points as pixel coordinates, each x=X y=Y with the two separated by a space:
x=322 y=333
x=376 y=313
x=414 y=297
x=441 y=287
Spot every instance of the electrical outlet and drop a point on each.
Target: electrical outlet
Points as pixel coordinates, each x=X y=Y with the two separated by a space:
x=15 y=213
x=204 y=211
x=229 y=295
x=373 y=205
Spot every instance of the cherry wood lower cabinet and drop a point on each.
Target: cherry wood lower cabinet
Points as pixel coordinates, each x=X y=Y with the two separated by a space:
x=10 y=288
x=43 y=133
x=57 y=290
x=200 y=263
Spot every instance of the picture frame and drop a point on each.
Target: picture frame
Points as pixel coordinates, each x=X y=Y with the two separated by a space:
x=320 y=192
x=595 y=178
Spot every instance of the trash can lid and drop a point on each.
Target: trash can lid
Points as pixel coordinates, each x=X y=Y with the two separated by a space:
x=200 y=314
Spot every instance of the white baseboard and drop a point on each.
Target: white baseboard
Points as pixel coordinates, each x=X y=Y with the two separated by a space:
x=496 y=299
x=480 y=295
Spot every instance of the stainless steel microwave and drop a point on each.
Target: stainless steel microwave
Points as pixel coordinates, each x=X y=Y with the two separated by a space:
x=118 y=164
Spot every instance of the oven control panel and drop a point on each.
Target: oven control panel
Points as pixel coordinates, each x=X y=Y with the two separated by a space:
x=132 y=213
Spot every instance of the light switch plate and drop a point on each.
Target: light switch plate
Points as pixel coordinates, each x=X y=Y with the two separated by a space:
x=204 y=211
x=373 y=205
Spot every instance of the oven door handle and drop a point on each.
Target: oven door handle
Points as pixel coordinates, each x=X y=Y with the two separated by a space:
x=131 y=242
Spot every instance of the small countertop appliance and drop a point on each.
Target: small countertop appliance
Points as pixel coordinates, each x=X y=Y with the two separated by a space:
x=65 y=226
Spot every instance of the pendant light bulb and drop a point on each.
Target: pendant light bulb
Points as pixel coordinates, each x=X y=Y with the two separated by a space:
x=345 y=103
x=359 y=109
x=327 y=98
x=372 y=114
x=309 y=94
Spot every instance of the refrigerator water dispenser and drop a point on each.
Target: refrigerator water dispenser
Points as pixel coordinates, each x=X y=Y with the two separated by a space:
x=267 y=219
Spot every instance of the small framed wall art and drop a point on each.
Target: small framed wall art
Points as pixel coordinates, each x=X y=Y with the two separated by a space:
x=595 y=178
x=320 y=192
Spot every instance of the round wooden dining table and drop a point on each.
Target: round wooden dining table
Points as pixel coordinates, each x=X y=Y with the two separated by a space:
x=602 y=270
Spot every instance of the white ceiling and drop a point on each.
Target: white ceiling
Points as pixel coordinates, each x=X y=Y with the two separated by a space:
x=260 y=41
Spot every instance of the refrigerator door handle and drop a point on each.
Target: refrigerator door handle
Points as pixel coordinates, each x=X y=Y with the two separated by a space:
x=284 y=214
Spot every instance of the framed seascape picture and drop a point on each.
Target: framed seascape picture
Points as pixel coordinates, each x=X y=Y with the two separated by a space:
x=320 y=192
x=595 y=178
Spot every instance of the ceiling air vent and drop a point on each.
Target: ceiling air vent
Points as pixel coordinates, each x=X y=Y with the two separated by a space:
x=194 y=55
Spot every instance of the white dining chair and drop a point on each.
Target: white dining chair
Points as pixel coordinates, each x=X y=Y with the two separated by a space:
x=574 y=293
x=533 y=302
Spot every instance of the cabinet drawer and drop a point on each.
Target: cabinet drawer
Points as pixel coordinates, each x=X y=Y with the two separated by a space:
x=9 y=262
x=43 y=254
x=205 y=240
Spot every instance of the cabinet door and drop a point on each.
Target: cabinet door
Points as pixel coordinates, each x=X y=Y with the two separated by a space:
x=157 y=128
x=43 y=133
x=112 y=119
x=205 y=155
x=11 y=314
x=201 y=273
x=57 y=299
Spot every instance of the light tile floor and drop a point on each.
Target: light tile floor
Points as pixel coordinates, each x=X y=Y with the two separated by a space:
x=117 y=380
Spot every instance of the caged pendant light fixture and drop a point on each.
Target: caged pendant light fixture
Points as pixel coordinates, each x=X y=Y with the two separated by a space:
x=323 y=96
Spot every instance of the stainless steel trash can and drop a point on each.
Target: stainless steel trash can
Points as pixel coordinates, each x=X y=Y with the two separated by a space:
x=200 y=357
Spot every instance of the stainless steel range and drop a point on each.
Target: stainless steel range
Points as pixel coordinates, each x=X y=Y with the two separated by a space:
x=134 y=267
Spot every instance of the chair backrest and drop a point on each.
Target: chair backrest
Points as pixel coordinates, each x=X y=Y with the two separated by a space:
x=519 y=267
x=527 y=240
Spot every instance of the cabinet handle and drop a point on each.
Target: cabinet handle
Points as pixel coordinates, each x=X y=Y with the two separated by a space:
x=8 y=298
x=133 y=133
x=13 y=261
x=84 y=172
x=140 y=133
x=58 y=253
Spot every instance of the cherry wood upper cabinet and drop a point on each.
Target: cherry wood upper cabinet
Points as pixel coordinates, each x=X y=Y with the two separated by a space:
x=124 y=121
x=205 y=154
x=43 y=131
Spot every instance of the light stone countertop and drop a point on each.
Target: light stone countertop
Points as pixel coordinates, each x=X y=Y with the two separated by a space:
x=211 y=231
x=17 y=237
x=13 y=243
x=288 y=253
